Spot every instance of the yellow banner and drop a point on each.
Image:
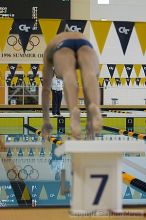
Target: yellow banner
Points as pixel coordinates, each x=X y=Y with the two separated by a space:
x=112 y=81
x=101 y=30
x=26 y=68
x=5 y=27
x=132 y=80
x=49 y=28
x=123 y=81
x=120 y=68
x=137 y=68
x=141 y=33
x=101 y=80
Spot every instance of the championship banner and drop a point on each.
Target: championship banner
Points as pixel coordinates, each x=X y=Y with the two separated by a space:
x=101 y=31
x=12 y=68
x=111 y=68
x=128 y=81
x=49 y=28
x=118 y=81
x=137 y=81
x=120 y=68
x=123 y=81
x=24 y=29
x=34 y=68
x=5 y=27
x=26 y=68
x=137 y=68
x=112 y=81
x=128 y=68
x=132 y=81
x=144 y=68
x=141 y=33
x=124 y=31
x=106 y=80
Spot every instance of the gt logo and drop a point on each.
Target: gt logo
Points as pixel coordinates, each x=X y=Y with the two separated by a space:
x=123 y=30
x=72 y=28
x=23 y=27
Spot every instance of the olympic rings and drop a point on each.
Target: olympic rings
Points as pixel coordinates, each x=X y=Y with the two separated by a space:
x=15 y=42
x=28 y=172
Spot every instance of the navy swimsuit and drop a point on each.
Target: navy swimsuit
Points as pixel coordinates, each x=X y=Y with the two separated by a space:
x=73 y=44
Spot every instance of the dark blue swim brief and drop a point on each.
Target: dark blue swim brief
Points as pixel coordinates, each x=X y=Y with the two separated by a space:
x=73 y=44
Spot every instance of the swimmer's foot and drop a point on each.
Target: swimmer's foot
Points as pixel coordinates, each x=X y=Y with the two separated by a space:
x=75 y=123
x=96 y=118
x=89 y=131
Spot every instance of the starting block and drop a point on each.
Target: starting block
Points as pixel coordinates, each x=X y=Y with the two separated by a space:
x=97 y=173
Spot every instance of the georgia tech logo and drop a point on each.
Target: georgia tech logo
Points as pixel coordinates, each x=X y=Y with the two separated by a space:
x=72 y=28
x=23 y=27
x=124 y=30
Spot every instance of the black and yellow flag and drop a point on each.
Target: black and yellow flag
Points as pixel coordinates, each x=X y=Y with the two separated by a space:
x=5 y=27
x=101 y=30
x=49 y=28
x=140 y=28
x=124 y=31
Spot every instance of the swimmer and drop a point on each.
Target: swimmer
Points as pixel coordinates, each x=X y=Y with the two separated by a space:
x=65 y=52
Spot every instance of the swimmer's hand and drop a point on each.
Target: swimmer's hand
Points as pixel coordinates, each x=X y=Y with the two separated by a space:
x=46 y=130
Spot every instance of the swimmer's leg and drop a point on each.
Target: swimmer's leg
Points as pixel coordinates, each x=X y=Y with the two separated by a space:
x=64 y=62
x=88 y=63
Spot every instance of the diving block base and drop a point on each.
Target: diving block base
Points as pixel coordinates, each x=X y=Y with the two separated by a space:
x=97 y=173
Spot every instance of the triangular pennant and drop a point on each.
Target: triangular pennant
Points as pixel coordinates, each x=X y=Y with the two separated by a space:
x=20 y=153
x=25 y=195
x=31 y=152
x=41 y=67
x=120 y=68
x=59 y=196
x=9 y=153
x=132 y=81
x=15 y=151
x=101 y=81
x=26 y=68
x=123 y=81
x=42 y=153
x=101 y=30
x=3 y=194
x=100 y=67
x=112 y=81
x=141 y=33
x=137 y=81
x=142 y=81
x=136 y=195
x=26 y=151
x=118 y=81
x=49 y=28
x=72 y=26
x=128 y=68
x=128 y=81
x=12 y=68
x=34 y=68
x=144 y=68
x=124 y=31
x=128 y=194
x=106 y=80
x=111 y=68
x=24 y=29
x=137 y=68
x=43 y=194
x=3 y=68
x=5 y=27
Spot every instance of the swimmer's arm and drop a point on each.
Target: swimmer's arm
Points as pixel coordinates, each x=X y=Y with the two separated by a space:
x=47 y=81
